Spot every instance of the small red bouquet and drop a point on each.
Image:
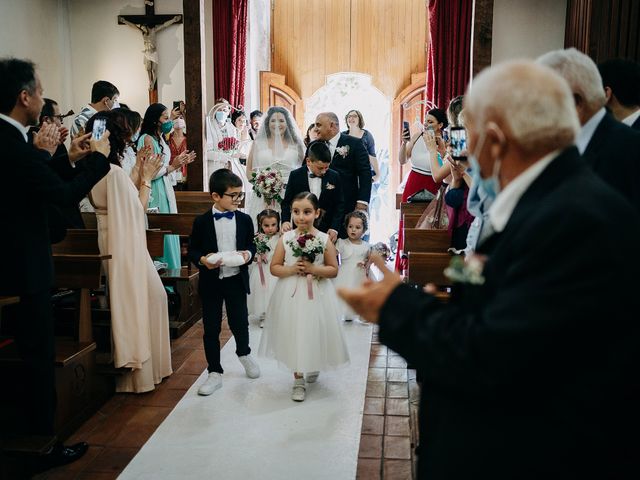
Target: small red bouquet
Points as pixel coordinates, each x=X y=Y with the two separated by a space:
x=228 y=144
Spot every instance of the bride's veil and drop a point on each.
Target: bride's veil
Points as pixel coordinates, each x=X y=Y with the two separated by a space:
x=289 y=138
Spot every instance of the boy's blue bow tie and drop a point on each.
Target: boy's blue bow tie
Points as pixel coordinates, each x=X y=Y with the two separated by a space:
x=218 y=216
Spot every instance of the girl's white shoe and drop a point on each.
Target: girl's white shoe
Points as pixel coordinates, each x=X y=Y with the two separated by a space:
x=299 y=390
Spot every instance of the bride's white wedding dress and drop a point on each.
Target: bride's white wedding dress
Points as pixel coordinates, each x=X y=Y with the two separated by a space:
x=264 y=157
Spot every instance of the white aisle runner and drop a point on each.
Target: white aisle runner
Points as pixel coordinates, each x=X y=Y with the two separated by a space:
x=251 y=429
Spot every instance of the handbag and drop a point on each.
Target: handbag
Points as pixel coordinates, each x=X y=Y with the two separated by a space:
x=435 y=215
x=423 y=195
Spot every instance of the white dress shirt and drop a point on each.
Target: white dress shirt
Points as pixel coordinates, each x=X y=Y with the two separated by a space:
x=315 y=184
x=506 y=201
x=632 y=118
x=21 y=128
x=333 y=144
x=588 y=129
x=226 y=237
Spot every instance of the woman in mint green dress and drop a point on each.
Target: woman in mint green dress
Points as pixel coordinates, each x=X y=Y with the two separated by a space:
x=155 y=125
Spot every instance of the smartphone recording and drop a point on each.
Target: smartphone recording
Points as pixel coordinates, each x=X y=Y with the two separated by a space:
x=459 y=143
x=99 y=127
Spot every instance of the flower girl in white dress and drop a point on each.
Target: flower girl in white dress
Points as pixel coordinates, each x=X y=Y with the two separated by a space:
x=354 y=253
x=303 y=331
x=261 y=282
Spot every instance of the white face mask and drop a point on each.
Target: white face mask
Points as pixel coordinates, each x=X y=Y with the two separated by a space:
x=180 y=124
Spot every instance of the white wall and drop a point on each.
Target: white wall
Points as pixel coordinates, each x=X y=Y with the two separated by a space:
x=103 y=50
x=38 y=30
x=527 y=29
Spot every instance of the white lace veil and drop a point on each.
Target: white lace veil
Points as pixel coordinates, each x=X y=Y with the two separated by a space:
x=290 y=138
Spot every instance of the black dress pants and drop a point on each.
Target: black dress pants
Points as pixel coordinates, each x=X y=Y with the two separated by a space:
x=30 y=401
x=231 y=292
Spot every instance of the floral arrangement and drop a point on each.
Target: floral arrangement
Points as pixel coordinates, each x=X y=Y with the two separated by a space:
x=228 y=144
x=261 y=241
x=380 y=249
x=306 y=246
x=268 y=183
x=466 y=270
x=343 y=150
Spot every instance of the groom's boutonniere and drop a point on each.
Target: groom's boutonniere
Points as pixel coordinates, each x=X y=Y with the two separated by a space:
x=343 y=150
x=466 y=269
x=329 y=186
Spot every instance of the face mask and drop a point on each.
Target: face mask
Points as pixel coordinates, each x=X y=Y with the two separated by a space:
x=116 y=104
x=221 y=116
x=490 y=187
x=167 y=126
x=135 y=137
x=179 y=123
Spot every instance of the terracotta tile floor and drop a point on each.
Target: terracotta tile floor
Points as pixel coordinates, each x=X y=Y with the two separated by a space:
x=389 y=425
x=118 y=431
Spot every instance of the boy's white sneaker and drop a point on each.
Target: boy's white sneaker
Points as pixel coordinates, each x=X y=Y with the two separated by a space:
x=211 y=384
x=299 y=390
x=251 y=368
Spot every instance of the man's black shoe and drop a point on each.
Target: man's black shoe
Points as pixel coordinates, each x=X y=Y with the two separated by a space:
x=61 y=455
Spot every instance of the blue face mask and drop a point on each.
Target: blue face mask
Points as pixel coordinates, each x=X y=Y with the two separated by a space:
x=487 y=187
x=135 y=137
x=167 y=126
x=221 y=116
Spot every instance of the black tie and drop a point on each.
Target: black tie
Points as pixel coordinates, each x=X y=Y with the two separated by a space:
x=312 y=175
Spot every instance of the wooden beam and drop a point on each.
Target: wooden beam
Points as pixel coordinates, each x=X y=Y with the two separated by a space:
x=482 y=35
x=195 y=88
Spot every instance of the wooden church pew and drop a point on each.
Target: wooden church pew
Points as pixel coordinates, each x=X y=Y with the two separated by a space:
x=426 y=268
x=428 y=241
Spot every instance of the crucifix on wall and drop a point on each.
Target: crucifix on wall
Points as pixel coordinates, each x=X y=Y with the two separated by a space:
x=149 y=25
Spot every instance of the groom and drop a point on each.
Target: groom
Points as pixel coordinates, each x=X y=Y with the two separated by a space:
x=350 y=160
x=316 y=177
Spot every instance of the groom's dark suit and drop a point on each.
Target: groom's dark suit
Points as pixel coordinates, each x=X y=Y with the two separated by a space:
x=331 y=201
x=614 y=154
x=355 y=171
x=534 y=374
x=27 y=267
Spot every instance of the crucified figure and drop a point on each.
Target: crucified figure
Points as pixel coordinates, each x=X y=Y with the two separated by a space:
x=150 y=52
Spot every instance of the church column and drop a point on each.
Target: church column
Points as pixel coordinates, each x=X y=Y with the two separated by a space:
x=195 y=89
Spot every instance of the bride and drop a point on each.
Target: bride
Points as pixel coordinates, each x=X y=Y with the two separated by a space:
x=277 y=145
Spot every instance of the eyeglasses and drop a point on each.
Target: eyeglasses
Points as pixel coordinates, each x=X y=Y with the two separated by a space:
x=235 y=197
x=352 y=115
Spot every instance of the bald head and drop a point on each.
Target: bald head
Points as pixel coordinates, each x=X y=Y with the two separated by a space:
x=531 y=104
x=327 y=125
x=583 y=77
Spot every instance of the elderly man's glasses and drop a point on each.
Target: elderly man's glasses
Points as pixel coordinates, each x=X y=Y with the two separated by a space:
x=235 y=197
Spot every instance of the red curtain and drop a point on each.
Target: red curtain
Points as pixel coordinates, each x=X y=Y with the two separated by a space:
x=449 y=53
x=229 y=49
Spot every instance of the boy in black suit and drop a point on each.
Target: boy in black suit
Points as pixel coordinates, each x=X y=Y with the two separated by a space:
x=316 y=177
x=223 y=229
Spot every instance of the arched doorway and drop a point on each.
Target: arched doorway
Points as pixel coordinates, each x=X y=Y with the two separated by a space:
x=355 y=91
